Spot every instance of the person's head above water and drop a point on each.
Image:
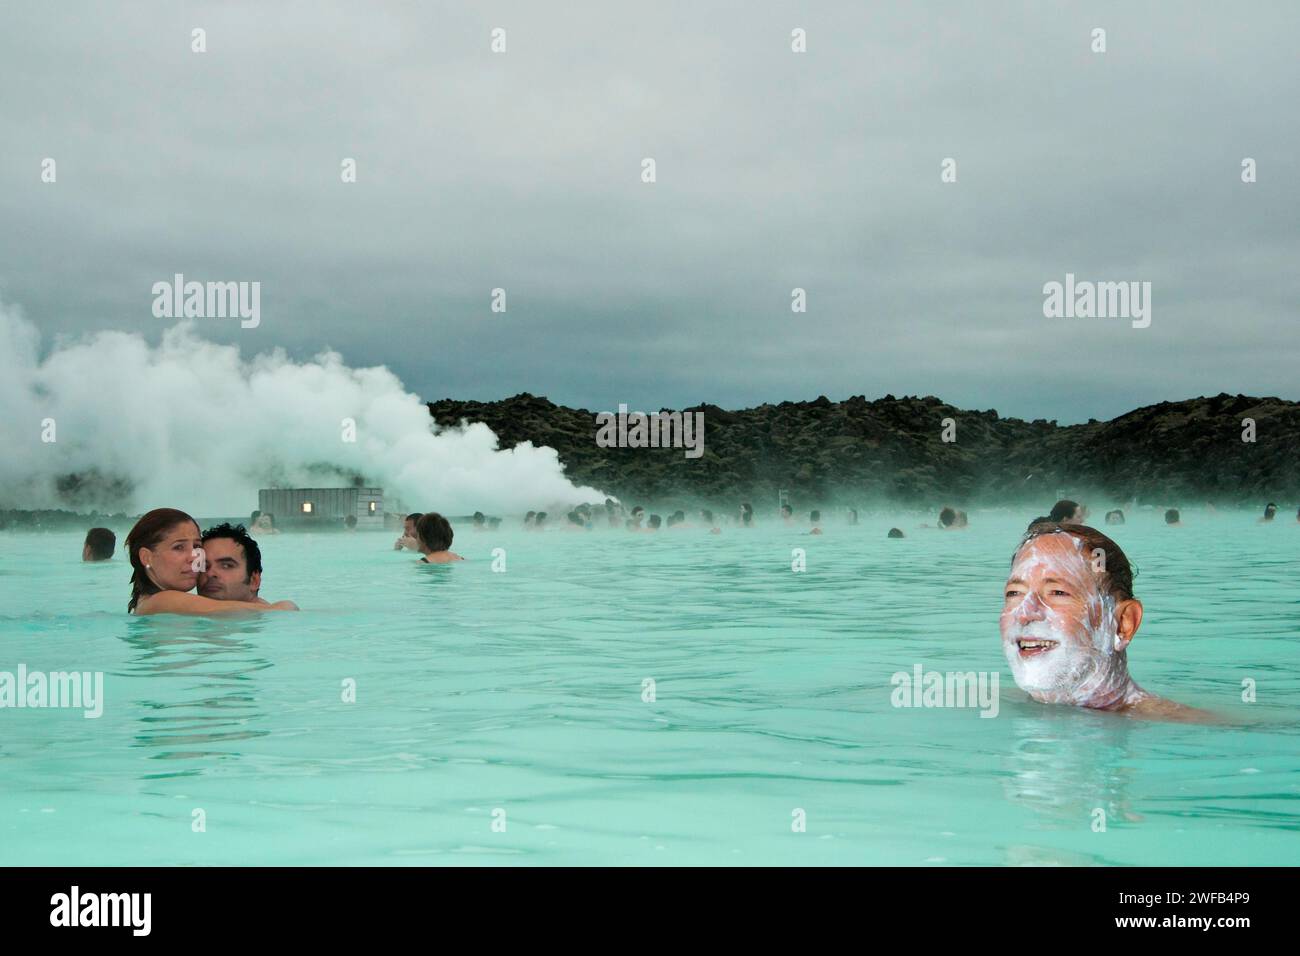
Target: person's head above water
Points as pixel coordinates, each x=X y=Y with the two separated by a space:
x=434 y=532
x=1115 y=517
x=1270 y=510
x=1068 y=617
x=99 y=545
x=1066 y=511
x=409 y=523
x=163 y=550
x=654 y=522
x=232 y=564
x=895 y=533
x=947 y=517
x=1171 y=516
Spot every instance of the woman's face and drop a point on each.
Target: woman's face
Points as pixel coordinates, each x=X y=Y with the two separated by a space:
x=174 y=562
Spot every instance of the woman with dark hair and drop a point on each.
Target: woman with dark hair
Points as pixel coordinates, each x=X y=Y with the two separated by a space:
x=166 y=554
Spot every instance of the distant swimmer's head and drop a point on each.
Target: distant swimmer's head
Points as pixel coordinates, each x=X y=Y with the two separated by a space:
x=1068 y=616
x=1115 y=517
x=529 y=519
x=164 y=548
x=787 y=512
x=350 y=522
x=1171 y=516
x=654 y=522
x=1066 y=511
x=480 y=519
x=895 y=533
x=947 y=518
x=1270 y=511
x=707 y=516
x=746 y=514
x=232 y=564
x=434 y=532
x=99 y=545
x=540 y=520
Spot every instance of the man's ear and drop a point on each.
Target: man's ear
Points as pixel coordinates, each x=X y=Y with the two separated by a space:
x=1128 y=617
x=255 y=582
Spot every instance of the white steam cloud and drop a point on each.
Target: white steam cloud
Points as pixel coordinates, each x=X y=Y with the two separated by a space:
x=191 y=425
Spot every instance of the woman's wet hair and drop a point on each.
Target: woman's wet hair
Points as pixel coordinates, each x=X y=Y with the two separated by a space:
x=1117 y=578
x=434 y=532
x=149 y=532
x=1171 y=516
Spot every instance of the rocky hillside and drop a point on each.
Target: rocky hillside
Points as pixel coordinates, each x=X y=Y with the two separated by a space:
x=891 y=449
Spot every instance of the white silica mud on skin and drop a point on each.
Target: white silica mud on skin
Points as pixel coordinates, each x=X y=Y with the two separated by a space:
x=1060 y=632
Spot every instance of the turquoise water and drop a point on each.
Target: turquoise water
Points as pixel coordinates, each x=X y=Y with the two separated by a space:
x=522 y=692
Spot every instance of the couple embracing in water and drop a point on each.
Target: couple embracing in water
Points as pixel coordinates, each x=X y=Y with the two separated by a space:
x=170 y=559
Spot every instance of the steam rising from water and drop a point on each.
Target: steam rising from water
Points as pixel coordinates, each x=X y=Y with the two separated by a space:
x=191 y=425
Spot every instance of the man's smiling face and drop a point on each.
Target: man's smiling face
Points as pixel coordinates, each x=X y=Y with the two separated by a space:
x=1058 y=627
x=226 y=577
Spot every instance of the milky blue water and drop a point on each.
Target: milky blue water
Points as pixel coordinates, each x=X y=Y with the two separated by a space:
x=519 y=698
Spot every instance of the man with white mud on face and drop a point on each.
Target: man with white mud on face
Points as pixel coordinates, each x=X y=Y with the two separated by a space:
x=1068 y=619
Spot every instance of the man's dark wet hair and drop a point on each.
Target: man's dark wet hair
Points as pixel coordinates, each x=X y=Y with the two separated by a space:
x=239 y=534
x=1065 y=508
x=1171 y=516
x=102 y=543
x=350 y=521
x=895 y=533
x=655 y=521
x=1114 y=516
x=947 y=516
x=434 y=531
x=1117 y=579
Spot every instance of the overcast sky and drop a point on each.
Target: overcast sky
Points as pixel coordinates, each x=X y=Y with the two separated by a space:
x=820 y=170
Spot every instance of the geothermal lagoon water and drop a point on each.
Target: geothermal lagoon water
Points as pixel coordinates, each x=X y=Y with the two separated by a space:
x=648 y=699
